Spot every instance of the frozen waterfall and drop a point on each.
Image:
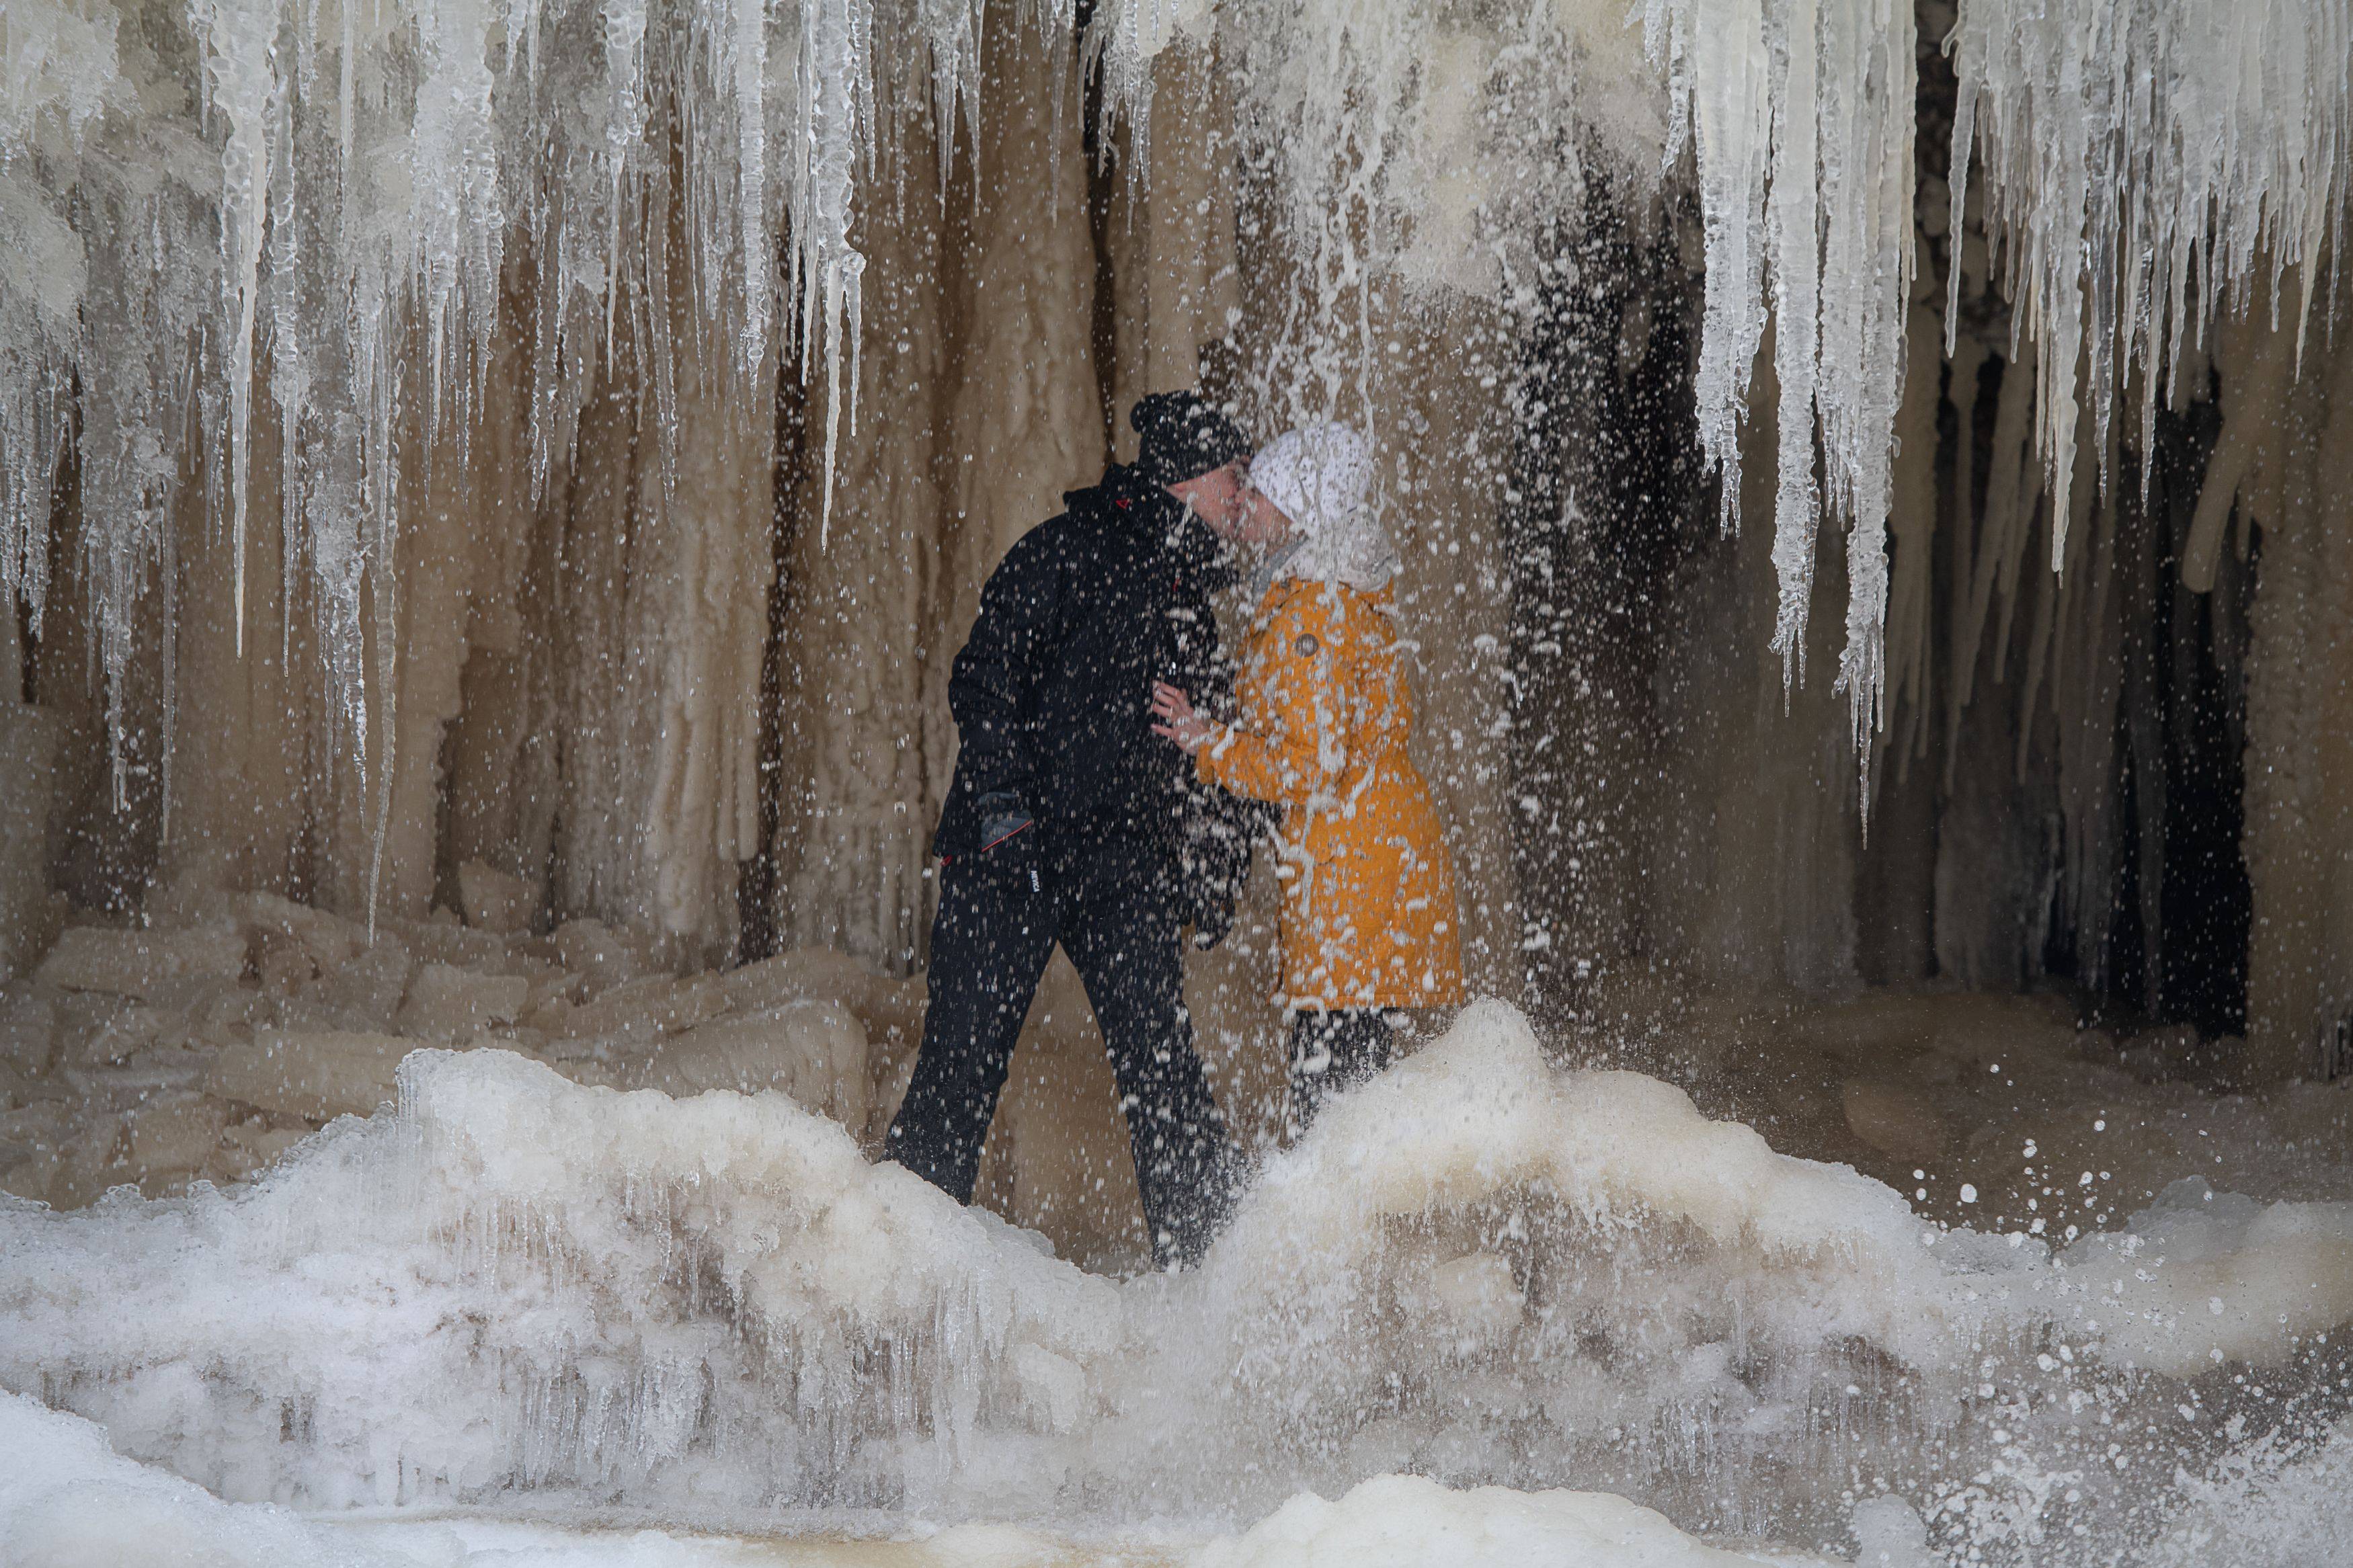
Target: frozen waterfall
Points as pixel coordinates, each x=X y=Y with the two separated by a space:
x=489 y=494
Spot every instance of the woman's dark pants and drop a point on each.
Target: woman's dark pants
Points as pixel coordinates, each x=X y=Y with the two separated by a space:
x=1332 y=1051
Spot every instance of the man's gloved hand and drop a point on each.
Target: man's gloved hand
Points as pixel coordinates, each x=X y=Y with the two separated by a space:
x=1220 y=830
x=1002 y=816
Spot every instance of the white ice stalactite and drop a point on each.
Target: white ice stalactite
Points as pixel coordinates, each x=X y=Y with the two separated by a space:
x=60 y=65
x=2140 y=166
x=239 y=38
x=1731 y=126
x=837 y=116
x=1128 y=39
x=459 y=222
x=1799 y=115
x=247 y=223
x=1867 y=261
x=1793 y=222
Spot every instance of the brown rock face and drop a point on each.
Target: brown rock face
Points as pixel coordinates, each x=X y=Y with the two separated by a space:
x=1895 y=1119
x=315 y=1074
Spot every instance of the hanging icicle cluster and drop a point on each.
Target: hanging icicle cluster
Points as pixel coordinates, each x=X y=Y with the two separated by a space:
x=310 y=213
x=2143 y=167
x=1799 y=113
x=313 y=214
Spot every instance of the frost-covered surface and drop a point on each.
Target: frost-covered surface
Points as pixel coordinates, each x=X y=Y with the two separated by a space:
x=626 y=1294
x=65 y=1497
x=1403 y=1521
x=1479 y=1268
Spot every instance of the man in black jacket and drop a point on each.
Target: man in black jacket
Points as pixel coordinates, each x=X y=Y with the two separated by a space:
x=1069 y=820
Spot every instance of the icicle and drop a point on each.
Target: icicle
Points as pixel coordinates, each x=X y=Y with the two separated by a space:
x=1792 y=224
x=1800 y=113
x=1122 y=43
x=836 y=42
x=240 y=42
x=755 y=238
x=1731 y=127
x=1867 y=180
x=59 y=70
x=2122 y=148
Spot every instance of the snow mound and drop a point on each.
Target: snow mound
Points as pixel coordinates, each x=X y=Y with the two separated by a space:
x=517 y=1281
x=68 y=1500
x=1407 y=1522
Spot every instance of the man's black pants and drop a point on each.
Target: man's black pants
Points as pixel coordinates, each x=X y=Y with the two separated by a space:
x=1110 y=900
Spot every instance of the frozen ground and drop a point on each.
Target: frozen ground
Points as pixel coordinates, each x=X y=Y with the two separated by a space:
x=573 y=1277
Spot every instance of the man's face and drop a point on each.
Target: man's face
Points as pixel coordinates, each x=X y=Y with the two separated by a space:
x=1220 y=499
x=1223 y=499
x=1264 y=523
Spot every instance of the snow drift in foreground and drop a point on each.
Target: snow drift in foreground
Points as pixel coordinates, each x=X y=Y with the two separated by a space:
x=66 y=1498
x=1480 y=1270
x=73 y=1500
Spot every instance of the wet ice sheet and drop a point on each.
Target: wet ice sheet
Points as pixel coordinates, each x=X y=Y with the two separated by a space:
x=65 y=1499
x=469 y=1542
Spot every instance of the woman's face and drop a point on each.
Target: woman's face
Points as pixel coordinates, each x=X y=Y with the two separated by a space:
x=1265 y=524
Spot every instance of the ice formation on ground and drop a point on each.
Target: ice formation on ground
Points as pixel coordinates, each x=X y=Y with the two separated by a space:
x=1403 y=1521
x=1480 y=1268
x=74 y=1502
x=66 y=1498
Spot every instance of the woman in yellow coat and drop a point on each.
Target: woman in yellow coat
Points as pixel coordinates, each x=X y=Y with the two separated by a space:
x=1369 y=923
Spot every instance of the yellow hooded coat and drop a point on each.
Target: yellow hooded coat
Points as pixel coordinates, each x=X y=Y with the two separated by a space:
x=1369 y=904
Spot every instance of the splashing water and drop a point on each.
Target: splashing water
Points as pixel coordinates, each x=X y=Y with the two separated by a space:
x=1480 y=1269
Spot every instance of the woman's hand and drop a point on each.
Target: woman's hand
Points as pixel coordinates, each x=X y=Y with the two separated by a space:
x=1177 y=720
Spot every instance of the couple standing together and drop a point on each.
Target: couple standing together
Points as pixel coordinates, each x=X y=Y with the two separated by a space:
x=1111 y=779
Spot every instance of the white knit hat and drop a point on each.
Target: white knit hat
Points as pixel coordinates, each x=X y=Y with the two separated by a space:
x=1322 y=477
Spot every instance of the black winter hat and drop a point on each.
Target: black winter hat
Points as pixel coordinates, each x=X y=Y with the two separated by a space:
x=1184 y=437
